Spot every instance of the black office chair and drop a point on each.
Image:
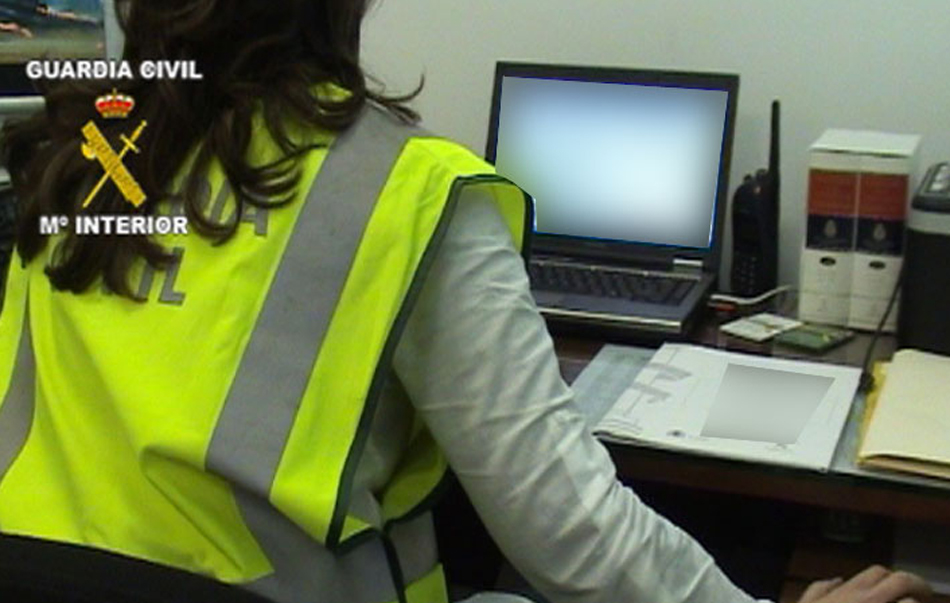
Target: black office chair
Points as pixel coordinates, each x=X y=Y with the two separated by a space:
x=37 y=571
x=7 y=223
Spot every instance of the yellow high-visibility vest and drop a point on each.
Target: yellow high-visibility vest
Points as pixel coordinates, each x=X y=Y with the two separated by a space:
x=217 y=427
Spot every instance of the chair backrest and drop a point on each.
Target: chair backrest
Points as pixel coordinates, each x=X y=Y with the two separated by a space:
x=7 y=219
x=39 y=571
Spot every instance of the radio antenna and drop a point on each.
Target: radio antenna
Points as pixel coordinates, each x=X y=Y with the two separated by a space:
x=774 y=152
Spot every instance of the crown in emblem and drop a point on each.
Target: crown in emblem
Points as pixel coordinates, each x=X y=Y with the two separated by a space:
x=114 y=105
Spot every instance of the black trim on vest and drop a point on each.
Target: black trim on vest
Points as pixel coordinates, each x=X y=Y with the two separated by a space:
x=395 y=568
x=384 y=365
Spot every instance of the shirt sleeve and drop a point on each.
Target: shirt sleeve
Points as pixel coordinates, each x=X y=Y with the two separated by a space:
x=479 y=366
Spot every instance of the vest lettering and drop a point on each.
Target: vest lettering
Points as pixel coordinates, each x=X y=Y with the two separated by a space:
x=168 y=294
x=252 y=214
x=178 y=209
x=217 y=210
x=145 y=284
x=258 y=217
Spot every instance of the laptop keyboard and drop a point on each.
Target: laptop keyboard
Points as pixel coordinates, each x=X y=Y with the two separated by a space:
x=601 y=282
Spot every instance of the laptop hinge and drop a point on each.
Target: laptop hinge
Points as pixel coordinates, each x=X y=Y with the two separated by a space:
x=690 y=265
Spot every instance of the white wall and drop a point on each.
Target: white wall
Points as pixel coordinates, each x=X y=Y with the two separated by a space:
x=872 y=64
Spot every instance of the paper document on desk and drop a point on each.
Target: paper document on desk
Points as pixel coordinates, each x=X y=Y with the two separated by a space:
x=911 y=422
x=735 y=405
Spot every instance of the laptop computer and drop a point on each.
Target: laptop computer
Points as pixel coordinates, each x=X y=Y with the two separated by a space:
x=629 y=172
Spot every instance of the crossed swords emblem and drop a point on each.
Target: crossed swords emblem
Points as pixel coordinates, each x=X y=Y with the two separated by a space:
x=97 y=147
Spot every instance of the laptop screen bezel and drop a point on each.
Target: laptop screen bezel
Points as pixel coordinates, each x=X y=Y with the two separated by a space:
x=622 y=251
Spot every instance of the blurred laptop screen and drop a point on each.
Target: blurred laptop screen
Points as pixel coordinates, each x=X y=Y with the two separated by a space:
x=617 y=161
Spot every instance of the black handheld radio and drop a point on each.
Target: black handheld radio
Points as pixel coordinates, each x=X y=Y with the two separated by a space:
x=755 y=210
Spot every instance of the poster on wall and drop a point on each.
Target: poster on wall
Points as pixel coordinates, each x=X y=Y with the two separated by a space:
x=53 y=29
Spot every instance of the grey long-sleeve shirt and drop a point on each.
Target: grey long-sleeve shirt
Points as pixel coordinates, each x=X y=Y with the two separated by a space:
x=477 y=363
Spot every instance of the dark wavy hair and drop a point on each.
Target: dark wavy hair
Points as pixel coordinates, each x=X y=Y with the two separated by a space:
x=255 y=57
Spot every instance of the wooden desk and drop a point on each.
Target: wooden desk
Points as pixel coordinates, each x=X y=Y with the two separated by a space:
x=845 y=487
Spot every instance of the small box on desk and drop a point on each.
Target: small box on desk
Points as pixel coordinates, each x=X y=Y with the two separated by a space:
x=874 y=278
x=825 y=286
x=858 y=188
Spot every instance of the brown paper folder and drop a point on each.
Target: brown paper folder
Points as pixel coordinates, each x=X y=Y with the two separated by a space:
x=910 y=428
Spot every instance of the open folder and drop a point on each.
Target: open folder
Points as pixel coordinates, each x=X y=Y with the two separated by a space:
x=910 y=428
x=706 y=401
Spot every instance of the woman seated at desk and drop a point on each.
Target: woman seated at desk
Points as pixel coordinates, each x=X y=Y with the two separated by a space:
x=273 y=411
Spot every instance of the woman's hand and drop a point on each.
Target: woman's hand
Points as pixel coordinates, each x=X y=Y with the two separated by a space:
x=876 y=584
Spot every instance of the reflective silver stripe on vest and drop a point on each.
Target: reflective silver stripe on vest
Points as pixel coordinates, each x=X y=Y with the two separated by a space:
x=305 y=572
x=16 y=414
x=256 y=421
